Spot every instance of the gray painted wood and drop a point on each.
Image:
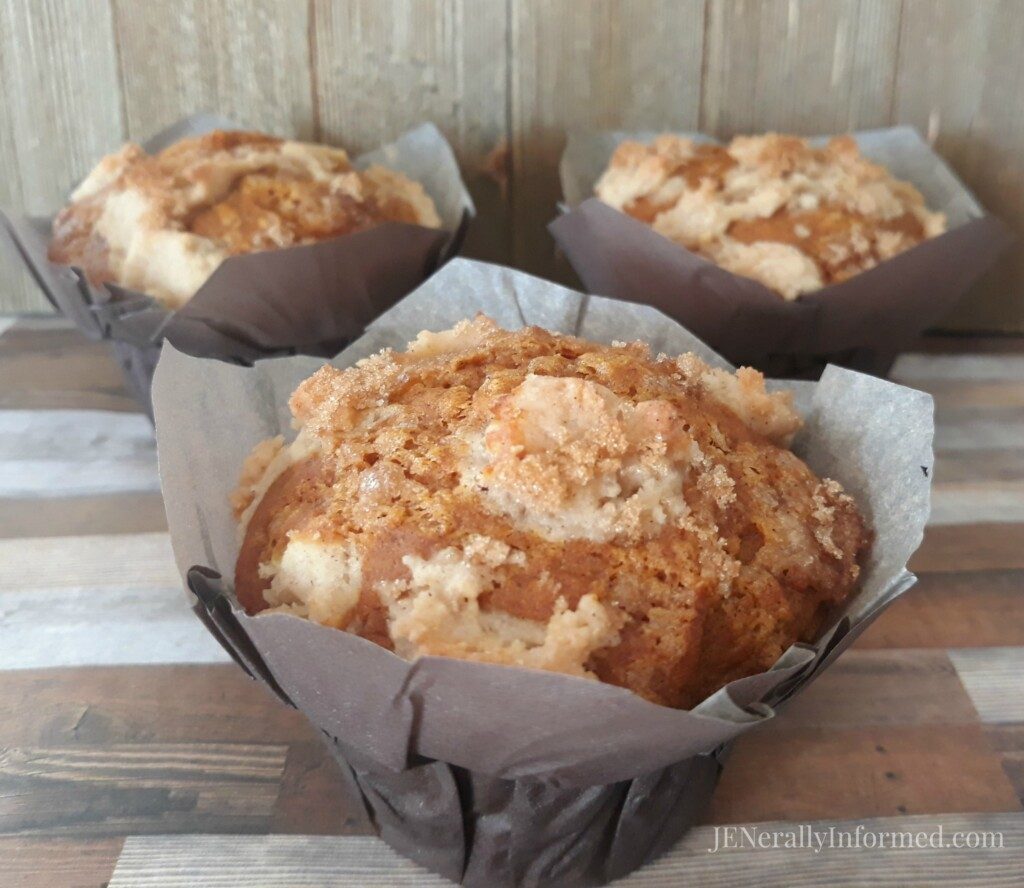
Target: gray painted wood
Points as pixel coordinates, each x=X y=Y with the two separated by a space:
x=61 y=110
x=246 y=59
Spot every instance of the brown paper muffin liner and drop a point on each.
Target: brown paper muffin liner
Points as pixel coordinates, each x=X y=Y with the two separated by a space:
x=493 y=775
x=861 y=323
x=311 y=299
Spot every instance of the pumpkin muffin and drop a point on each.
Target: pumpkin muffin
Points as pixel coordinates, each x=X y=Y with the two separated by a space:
x=161 y=224
x=534 y=499
x=773 y=208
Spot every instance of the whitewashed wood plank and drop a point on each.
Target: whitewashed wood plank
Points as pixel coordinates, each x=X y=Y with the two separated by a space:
x=59 y=106
x=115 y=561
x=977 y=503
x=383 y=66
x=979 y=435
x=994 y=679
x=96 y=600
x=75 y=452
x=6 y=322
x=80 y=626
x=609 y=65
x=914 y=367
x=824 y=66
x=959 y=80
x=246 y=59
x=366 y=862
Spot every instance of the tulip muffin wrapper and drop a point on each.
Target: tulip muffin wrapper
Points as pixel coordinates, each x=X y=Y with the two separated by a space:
x=862 y=323
x=492 y=774
x=310 y=299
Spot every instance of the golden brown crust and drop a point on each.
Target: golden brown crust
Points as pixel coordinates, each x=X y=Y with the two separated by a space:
x=206 y=198
x=771 y=207
x=437 y=472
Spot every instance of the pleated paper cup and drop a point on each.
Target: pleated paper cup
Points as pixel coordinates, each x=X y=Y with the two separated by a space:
x=312 y=299
x=861 y=323
x=495 y=775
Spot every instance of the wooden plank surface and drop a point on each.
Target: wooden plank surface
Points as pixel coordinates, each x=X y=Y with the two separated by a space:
x=970 y=109
x=152 y=743
x=380 y=68
x=327 y=862
x=591 y=65
x=825 y=66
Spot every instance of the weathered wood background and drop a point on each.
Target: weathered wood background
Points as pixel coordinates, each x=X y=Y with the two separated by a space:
x=78 y=77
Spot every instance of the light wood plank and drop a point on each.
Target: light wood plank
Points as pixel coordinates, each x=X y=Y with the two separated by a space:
x=819 y=67
x=75 y=453
x=381 y=68
x=80 y=515
x=912 y=368
x=971 y=110
x=328 y=862
x=61 y=110
x=994 y=678
x=976 y=503
x=591 y=65
x=246 y=59
x=121 y=561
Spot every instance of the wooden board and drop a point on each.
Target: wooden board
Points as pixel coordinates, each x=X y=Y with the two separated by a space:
x=132 y=751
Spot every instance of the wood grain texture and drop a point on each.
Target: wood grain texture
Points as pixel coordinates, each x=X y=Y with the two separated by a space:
x=99 y=514
x=75 y=453
x=54 y=862
x=354 y=862
x=246 y=59
x=119 y=788
x=61 y=109
x=591 y=65
x=994 y=678
x=380 y=68
x=955 y=548
x=819 y=67
x=874 y=771
x=969 y=105
x=948 y=610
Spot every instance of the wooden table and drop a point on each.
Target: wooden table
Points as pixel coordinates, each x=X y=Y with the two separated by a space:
x=132 y=752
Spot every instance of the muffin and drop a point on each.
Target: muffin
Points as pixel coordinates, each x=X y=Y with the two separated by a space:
x=161 y=224
x=772 y=208
x=538 y=500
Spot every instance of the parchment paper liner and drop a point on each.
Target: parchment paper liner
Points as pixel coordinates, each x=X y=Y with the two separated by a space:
x=493 y=775
x=861 y=323
x=311 y=299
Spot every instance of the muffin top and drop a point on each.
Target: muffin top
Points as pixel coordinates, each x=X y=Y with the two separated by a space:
x=771 y=207
x=535 y=499
x=161 y=224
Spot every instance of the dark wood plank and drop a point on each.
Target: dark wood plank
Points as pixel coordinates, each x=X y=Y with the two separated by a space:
x=877 y=771
x=57 y=862
x=316 y=797
x=949 y=610
x=121 y=513
x=116 y=789
x=1008 y=743
x=958 y=548
x=893 y=687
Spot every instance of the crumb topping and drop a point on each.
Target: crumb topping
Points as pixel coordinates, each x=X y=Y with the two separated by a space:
x=535 y=499
x=162 y=224
x=771 y=207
